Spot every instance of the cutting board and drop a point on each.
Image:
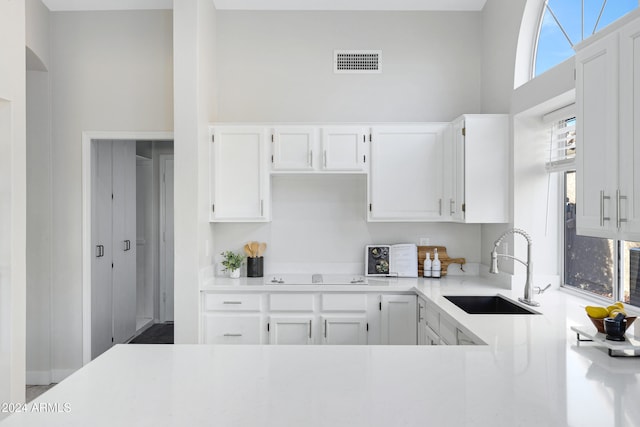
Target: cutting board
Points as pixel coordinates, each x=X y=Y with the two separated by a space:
x=442 y=255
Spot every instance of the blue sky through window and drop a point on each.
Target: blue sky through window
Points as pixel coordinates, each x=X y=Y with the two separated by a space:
x=553 y=46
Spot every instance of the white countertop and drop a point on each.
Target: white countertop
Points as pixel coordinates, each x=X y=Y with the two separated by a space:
x=531 y=373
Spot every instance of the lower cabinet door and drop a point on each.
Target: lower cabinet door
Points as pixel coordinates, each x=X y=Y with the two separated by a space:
x=297 y=330
x=219 y=329
x=398 y=320
x=344 y=330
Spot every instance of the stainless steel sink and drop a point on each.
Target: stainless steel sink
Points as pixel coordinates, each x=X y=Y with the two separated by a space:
x=488 y=304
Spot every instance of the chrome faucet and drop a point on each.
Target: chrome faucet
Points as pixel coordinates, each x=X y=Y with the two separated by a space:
x=528 y=298
x=316 y=278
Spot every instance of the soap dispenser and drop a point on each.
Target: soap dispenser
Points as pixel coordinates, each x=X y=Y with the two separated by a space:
x=435 y=265
x=426 y=270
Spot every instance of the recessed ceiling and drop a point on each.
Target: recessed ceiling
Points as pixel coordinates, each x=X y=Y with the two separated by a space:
x=442 y=5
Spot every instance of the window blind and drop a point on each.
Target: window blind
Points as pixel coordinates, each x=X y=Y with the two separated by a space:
x=562 y=146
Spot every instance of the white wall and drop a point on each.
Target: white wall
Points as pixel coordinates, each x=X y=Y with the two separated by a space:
x=194 y=45
x=39 y=200
x=37 y=35
x=319 y=225
x=278 y=66
x=500 y=28
x=12 y=201
x=110 y=71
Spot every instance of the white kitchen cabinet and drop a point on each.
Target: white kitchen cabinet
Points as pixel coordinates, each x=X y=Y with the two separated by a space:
x=240 y=187
x=454 y=172
x=232 y=318
x=464 y=339
x=344 y=329
x=628 y=195
x=398 y=319
x=477 y=187
x=422 y=322
x=294 y=148
x=296 y=330
x=448 y=331
x=232 y=329
x=405 y=181
x=608 y=141
x=344 y=148
x=597 y=137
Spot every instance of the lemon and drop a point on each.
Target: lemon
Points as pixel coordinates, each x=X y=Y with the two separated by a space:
x=597 y=312
x=619 y=304
x=614 y=313
x=614 y=307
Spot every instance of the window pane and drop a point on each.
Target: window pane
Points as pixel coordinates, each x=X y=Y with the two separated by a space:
x=631 y=272
x=588 y=261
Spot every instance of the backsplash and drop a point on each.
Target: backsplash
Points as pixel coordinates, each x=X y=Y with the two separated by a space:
x=319 y=223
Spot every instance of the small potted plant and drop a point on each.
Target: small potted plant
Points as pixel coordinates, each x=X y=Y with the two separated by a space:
x=232 y=262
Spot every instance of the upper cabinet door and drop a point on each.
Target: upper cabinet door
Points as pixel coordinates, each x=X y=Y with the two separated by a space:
x=482 y=168
x=240 y=180
x=597 y=137
x=406 y=173
x=344 y=148
x=455 y=201
x=628 y=196
x=293 y=148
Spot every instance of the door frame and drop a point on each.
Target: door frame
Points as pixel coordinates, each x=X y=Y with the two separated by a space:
x=87 y=252
x=162 y=245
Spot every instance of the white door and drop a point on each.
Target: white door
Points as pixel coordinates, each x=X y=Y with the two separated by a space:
x=293 y=148
x=398 y=320
x=629 y=180
x=166 y=238
x=344 y=148
x=596 y=137
x=124 y=240
x=406 y=173
x=344 y=330
x=239 y=174
x=291 y=330
x=101 y=237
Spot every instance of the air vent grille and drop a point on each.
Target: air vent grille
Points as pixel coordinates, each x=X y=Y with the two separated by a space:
x=357 y=61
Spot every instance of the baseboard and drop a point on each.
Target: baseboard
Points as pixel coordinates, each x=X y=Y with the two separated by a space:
x=58 y=375
x=39 y=378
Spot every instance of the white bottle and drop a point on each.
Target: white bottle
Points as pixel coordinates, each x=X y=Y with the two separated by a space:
x=426 y=271
x=435 y=265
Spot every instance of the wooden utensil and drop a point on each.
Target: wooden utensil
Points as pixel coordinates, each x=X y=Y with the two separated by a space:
x=261 y=248
x=247 y=250
x=254 y=248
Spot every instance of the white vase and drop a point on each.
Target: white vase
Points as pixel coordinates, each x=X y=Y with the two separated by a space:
x=234 y=274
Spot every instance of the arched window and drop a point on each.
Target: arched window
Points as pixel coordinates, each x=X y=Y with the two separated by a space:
x=565 y=23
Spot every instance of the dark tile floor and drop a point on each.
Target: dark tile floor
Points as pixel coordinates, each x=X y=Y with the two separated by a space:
x=160 y=333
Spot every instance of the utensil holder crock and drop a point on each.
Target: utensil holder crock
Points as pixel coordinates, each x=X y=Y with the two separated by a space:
x=255 y=267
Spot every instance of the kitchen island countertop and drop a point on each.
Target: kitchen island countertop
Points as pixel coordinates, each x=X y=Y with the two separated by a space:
x=532 y=372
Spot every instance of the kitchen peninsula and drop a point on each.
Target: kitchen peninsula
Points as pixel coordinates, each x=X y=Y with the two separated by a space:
x=530 y=372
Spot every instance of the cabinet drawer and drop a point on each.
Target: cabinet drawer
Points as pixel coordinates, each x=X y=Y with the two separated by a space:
x=433 y=318
x=291 y=302
x=464 y=339
x=232 y=302
x=448 y=332
x=219 y=329
x=344 y=302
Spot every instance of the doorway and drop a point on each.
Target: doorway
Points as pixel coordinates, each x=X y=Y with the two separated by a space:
x=102 y=322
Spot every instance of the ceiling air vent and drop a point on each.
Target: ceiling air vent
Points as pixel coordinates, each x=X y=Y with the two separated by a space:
x=357 y=61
